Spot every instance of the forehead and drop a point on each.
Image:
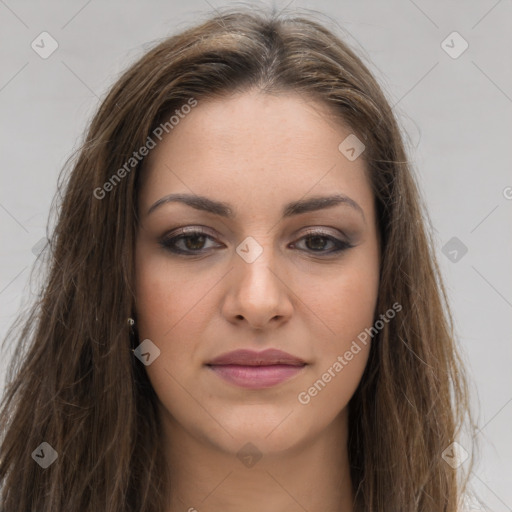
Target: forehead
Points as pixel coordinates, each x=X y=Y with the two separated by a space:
x=254 y=146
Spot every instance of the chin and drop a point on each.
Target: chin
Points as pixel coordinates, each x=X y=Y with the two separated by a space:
x=271 y=429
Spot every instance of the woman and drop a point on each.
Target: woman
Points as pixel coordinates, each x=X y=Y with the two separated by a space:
x=243 y=310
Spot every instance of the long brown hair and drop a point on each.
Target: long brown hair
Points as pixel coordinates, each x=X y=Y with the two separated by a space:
x=75 y=383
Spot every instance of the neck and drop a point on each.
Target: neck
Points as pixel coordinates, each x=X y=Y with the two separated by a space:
x=312 y=476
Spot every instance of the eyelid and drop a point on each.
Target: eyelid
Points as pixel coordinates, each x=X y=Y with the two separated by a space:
x=189 y=230
x=321 y=231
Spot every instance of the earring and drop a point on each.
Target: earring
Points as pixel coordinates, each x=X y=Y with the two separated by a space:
x=133 y=335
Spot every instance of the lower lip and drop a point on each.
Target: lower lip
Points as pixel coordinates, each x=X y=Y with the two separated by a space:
x=256 y=377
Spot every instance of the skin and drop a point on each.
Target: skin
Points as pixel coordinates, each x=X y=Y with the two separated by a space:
x=256 y=152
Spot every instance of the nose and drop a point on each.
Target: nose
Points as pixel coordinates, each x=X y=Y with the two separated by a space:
x=258 y=293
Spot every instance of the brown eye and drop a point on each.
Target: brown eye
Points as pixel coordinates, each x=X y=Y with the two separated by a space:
x=191 y=242
x=194 y=242
x=322 y=243
x=316 y=243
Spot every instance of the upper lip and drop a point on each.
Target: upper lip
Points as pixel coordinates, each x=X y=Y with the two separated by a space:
x=267 y=357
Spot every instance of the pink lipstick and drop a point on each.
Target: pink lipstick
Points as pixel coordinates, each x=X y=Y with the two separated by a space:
x=256 y=370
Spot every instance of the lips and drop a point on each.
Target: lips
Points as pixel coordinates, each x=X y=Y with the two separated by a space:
x=251 y=358
x=256 y=370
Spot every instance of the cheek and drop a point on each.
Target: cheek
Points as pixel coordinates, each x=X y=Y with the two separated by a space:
x=348 y=309
x=345 y=300
x=166 y=297
x=173 y=311
x=164 y=312
x=346 y=305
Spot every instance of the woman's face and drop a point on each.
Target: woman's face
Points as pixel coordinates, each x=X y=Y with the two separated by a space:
x=273 y=267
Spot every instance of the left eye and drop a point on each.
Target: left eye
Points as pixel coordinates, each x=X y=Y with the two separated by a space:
x=317 y=242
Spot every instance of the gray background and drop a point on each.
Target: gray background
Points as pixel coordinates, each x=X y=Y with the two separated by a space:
x=457 y=113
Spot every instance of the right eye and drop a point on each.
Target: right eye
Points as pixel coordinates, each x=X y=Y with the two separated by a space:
x=187 y=242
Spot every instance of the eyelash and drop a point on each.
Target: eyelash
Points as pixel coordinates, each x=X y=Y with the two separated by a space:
x=169 y=242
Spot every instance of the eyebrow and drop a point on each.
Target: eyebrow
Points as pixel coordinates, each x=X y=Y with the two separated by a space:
x=290 y=209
